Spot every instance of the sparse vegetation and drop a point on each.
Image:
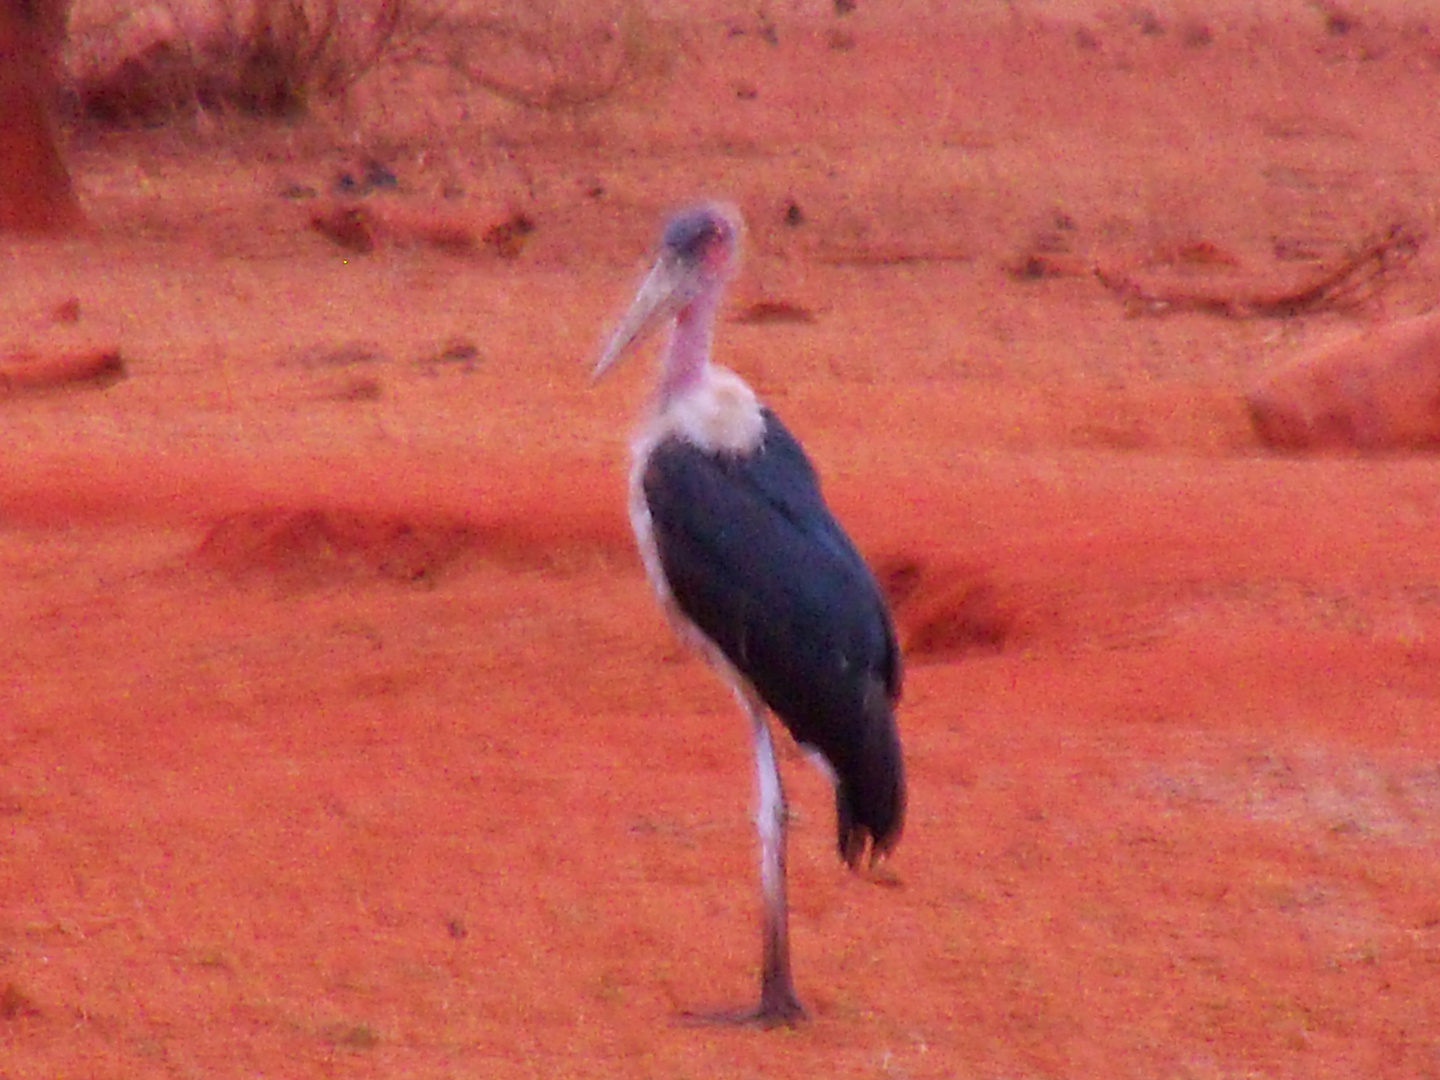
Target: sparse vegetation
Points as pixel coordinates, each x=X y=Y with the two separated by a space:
x=276 y=59
x=267 y=58
x=554 y=55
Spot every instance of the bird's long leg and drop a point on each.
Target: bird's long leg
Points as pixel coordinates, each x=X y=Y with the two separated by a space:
x=779 y=1003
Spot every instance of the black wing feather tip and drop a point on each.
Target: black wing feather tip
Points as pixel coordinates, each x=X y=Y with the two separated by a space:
x=870 y=793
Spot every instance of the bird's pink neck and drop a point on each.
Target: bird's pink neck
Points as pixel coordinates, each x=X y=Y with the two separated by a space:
x=688 y=351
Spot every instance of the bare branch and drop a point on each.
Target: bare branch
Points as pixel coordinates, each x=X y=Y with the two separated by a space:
x=1344 y=286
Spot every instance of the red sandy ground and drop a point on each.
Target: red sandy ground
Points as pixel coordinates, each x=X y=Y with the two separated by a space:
x=340 y=734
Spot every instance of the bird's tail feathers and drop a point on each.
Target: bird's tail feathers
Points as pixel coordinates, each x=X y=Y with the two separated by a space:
x=870 y=792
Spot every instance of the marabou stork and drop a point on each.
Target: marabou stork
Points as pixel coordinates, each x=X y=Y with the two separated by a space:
x=755 y=572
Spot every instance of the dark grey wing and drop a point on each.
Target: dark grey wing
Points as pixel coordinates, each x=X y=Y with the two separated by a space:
x=754 y=558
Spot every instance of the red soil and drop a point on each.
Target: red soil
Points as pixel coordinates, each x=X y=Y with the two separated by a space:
x=339 y=734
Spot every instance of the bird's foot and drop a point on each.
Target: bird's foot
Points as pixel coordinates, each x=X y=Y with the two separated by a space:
x=778 y=1007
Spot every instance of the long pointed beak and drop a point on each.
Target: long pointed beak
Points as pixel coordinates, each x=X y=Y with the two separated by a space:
x=665 y=290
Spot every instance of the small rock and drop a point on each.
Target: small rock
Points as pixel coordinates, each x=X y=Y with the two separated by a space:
x=508 y=238
x=350 y=227
x=459 y=351
x=66 y=312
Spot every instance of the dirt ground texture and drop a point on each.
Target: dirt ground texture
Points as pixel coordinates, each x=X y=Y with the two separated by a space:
x=341 y=736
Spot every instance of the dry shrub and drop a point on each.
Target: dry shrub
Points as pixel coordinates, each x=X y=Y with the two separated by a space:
x=555 y=55
x=290 y=50
x=277 y=58
x=263 y=58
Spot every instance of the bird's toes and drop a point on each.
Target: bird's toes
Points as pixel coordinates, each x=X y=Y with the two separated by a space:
x=786 y=1012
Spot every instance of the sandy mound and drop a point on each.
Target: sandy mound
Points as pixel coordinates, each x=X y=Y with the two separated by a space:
x=1377 y=390
x=313 y=546
x=942 y=610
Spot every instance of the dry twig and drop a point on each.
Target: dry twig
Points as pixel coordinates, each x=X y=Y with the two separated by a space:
x=1346 y=285
x=550 y=60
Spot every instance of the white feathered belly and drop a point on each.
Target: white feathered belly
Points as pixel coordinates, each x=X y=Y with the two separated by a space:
x=719 y=415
